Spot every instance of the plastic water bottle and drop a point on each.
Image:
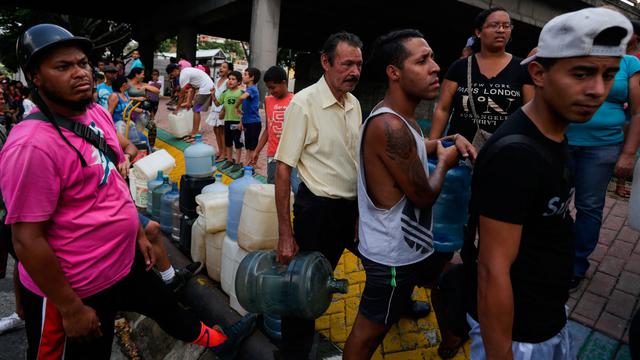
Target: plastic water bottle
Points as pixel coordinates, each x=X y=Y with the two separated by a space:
x=166 y=209
x=236 y=196
x=152 y=184
x=190 y=187
x=450 y=212
x=303 y=289
x=177 y=215
x=199 y=158
x=217 y=187
x=157 y=196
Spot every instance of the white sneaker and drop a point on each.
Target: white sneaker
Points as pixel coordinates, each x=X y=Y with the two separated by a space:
x=11 y=322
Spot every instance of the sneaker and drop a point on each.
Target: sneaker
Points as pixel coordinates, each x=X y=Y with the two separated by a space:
x=418 y=310
x=236 y=333
x=11 y=322
x=183 y=275
x=226 y=164
x=574 y=284
x=195 y=268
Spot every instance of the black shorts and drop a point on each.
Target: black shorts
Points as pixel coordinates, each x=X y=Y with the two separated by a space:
x=251 y=135
x=232 y=136
x=387 y=292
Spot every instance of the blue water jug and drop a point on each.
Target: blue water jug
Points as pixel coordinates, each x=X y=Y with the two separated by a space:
x=450 y=211
x=167 y=214
x=157 y=196
x=217 y=187
x=236 y=196
x=199 y=158
x=303 y=289
x=152 y=184
x=272 y=325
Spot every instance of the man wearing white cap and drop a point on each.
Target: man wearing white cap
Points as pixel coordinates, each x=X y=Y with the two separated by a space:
x=522 y=188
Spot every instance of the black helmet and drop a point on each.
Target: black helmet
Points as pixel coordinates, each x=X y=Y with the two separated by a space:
x=43 y=36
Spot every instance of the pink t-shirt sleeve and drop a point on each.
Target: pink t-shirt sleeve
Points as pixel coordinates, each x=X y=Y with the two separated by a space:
x=32 y=190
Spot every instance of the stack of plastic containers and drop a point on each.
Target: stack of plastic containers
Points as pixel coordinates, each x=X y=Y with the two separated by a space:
x=232 y=254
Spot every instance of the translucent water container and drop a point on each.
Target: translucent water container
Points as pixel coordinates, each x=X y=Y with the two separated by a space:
x=303 y=289
x=167 y=212
x=258 y=228
x=272 y=325
x=157 y=193
x=147 y=167
x=232 y=255
x=217 y=187
x=213 y=254
x=190 y=187
x=236 y=197
x=199 y=158
x=450 y=212
x=133 y=135
x=180 y=124
x=213 y=208
x=175 y=227
x=152 y=184
x=634 y=199
x=139 y=191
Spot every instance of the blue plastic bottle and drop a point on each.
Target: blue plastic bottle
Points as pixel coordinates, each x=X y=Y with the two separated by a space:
x=157 y=196
x=450 y=211
x=199 y=158
x=152 y=184
x=236 y=196
x=217 y=187
x=167 y=214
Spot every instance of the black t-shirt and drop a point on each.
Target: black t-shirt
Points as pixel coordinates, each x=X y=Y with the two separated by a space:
x=520 y=185
x=494 y=99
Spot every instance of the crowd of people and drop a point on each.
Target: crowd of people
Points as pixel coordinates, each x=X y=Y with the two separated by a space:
x=539 y=133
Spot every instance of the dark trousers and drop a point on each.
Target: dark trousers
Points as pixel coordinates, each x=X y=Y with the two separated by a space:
x=327 y=226
x=140 y=291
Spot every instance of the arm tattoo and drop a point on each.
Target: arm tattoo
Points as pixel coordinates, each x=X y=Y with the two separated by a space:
x=399 y=144
x=401 y=148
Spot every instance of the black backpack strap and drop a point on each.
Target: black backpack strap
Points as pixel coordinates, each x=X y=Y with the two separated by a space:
x=469 y=252
x=82 y=131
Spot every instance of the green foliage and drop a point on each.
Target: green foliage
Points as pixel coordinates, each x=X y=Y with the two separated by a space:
x=168 y=45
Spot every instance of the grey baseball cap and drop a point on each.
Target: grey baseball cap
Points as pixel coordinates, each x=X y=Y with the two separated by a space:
x=572 y=34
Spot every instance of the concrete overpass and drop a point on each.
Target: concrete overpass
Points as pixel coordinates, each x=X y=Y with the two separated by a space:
x=303 y=25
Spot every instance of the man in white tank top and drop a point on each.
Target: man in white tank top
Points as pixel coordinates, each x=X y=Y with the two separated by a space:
x=395 y=190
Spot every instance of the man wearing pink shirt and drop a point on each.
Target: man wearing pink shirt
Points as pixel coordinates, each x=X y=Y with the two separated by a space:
x=83 y=254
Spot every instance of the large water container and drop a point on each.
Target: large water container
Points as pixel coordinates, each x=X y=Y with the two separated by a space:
x=180 y=124
x=213 y=254
x=272 y=325
x=634 y=199
x=190 y=187
x=213 y=208
x=157 y=196
x=232 y=255
x=198 y=249
x=167 y=213
x=147 y=167
x=303 y=289
x=199 y=158
x=139 y=191
x=152 y=184
x=175 y=227
x=236 y=196
x=258 y=228
x=450 y=212
x=186 y=225
x=133 y=135
x=217 y=187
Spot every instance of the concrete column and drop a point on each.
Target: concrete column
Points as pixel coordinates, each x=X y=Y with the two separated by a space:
x=147 y=46
x=265 y=26
x=187 y=43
